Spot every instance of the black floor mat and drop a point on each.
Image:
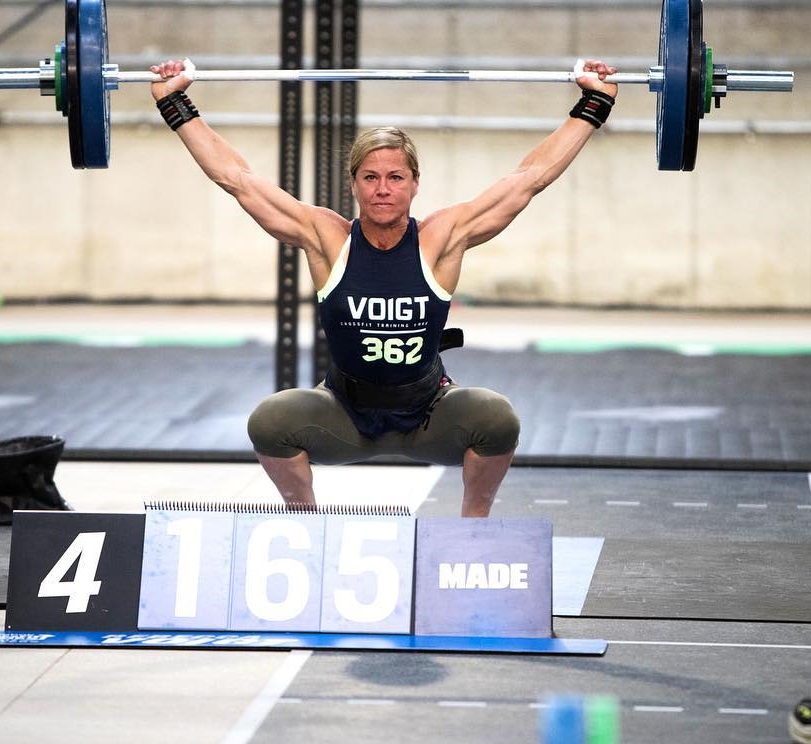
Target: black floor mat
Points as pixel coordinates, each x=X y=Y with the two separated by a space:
x=700 y=579
x=624 y=407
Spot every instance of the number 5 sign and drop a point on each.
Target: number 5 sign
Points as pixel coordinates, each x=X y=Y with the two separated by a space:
x=277 y=572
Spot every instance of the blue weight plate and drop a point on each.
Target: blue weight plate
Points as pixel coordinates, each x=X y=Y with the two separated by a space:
x=71 y=93
x=93 y=55
x=671 y=100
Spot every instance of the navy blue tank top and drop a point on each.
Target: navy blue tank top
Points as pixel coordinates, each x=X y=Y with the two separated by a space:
x=383 y=314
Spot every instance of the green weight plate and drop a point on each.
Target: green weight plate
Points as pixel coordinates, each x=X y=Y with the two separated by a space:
x=71 y=95
x=60 y=75
x=695 y=86
x=671 y=100
x=709 y=71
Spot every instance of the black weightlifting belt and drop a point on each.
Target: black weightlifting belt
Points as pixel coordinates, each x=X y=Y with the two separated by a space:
x=365 y=394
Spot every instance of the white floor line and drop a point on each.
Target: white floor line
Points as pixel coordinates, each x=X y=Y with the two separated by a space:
x=793 y=646
x=462 y=704
x=744 y=711
x=261 y=706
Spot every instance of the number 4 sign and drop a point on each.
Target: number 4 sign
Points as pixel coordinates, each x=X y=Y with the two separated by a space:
x=85 y=552
x=77 y=572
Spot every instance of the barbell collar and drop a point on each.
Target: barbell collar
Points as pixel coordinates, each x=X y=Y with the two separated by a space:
x=47 y=78
x=719 y=83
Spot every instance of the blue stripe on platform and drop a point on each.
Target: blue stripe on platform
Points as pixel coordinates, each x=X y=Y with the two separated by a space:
x=324 y=641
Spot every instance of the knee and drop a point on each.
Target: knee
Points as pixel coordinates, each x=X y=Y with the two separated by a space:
x=273 y=423
x=496 y=426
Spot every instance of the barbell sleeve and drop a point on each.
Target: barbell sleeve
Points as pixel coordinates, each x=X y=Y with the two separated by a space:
x=760 y=80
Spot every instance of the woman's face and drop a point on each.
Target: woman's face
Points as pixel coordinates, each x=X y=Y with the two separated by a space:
x=384 y=187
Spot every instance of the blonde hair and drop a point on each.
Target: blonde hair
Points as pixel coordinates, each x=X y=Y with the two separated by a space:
x=378 y=139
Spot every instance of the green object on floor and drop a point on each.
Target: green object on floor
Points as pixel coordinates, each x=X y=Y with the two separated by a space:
x=602 y=720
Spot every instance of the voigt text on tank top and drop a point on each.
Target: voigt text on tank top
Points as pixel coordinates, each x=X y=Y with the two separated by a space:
x=388 y=308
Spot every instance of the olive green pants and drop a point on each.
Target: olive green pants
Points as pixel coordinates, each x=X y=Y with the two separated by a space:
x=459 y=418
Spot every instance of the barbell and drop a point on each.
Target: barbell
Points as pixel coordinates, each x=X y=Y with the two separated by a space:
x=686 y=80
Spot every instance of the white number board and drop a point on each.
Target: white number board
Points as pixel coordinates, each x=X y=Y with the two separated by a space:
x=277 y=572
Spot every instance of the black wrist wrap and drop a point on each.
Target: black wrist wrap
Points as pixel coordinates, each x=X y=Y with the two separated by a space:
x=176 y=109
x=593 y=107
